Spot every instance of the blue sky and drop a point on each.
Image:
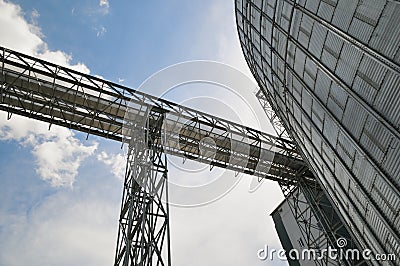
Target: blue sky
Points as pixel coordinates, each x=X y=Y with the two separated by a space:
x=61 y=191
x=154 y=34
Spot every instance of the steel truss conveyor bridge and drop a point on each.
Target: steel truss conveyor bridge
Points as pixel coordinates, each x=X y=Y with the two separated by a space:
x=152 y=127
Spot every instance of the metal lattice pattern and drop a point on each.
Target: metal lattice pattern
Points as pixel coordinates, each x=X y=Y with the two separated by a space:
x=35 y=88
x=143 y=236
x=319 y=223
x=151 y=127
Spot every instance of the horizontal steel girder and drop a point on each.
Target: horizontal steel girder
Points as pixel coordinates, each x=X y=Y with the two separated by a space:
x=44 y=91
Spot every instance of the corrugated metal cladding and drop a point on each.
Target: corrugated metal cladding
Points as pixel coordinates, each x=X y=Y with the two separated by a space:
x=339 y=64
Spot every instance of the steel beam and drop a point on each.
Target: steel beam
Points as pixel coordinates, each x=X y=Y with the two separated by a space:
x=151 y=127
x=44 y=91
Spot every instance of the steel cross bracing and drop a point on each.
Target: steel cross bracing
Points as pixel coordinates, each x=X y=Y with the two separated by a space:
x=143 y=223
x=44 y=91
x=151 y=127
x=319 y=224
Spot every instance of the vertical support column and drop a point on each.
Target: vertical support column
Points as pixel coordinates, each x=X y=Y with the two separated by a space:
x=143 y=236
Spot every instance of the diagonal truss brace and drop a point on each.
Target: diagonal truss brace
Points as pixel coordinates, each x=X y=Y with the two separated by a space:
x=34 y=88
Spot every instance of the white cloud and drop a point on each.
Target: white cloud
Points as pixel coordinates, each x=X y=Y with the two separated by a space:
x=64 y=228
x=116 y=162
x=33 y=26
x=71 y=227
x=218 y=30
x=34 y=16
x=58 y=161
x=232 y=229
x=70 y=230
x=17 y=34
x=101 y=31
x=58 y=154
x=105 y=6
x=229 y=231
